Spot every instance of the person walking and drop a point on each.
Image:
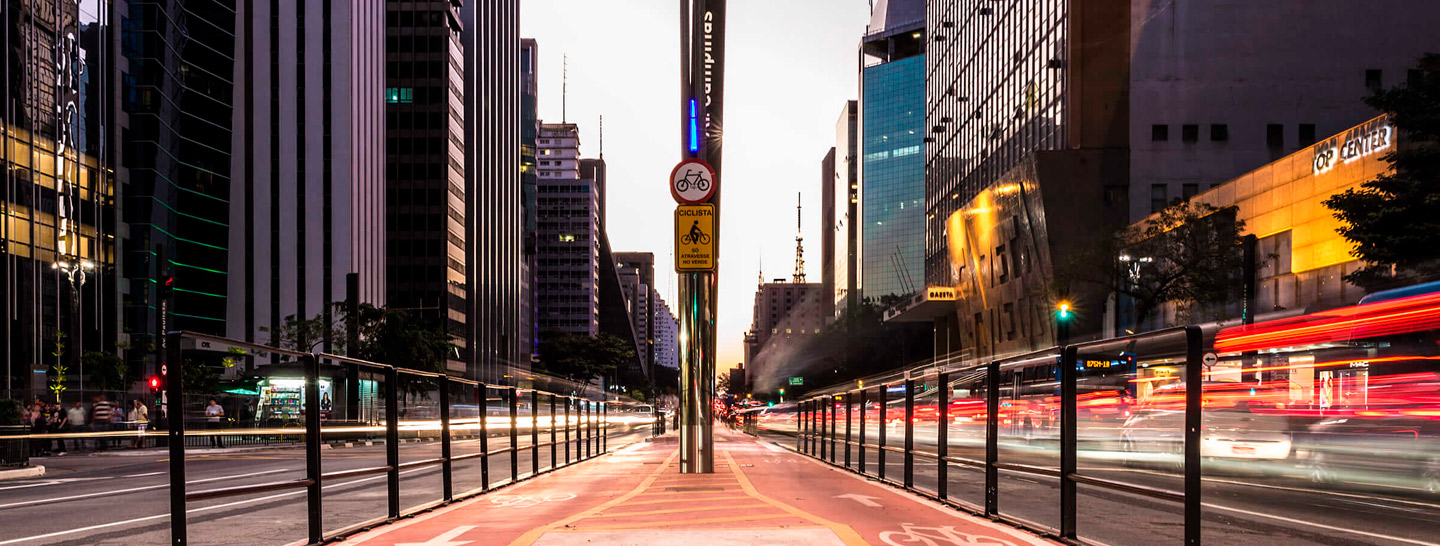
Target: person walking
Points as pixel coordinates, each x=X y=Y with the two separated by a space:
x=214 y=415
x=100 y=416
x=140 y=415
x=55 y=424
x=75 y=422
x=36 y=420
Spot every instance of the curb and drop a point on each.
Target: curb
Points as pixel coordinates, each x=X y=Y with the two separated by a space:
x=19 y=473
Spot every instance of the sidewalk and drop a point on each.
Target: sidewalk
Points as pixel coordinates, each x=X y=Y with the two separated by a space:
x=760 y=493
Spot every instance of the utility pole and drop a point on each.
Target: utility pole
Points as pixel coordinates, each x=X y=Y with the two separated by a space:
x=695 y=184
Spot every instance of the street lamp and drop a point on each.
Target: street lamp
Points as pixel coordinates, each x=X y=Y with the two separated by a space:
x=75 y=272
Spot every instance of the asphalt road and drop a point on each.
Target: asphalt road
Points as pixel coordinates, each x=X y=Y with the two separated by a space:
x=124 y=499
x=1240 y=507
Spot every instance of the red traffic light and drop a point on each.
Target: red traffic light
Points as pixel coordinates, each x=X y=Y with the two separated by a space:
x=154 y=382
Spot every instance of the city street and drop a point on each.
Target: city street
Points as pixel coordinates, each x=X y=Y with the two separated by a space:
x=123 y=499
x=1240 y=508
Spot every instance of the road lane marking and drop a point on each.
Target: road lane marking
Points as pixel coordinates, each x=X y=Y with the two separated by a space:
x=846 y=534
x=143 y=475
x=534 y=534
x=132 y=490
x=445 y=539
x=1320 y=525
x=670 y=511
x=666 y=523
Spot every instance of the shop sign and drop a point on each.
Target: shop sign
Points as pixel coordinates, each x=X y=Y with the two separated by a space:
x=941 y=293
x=1361 y=141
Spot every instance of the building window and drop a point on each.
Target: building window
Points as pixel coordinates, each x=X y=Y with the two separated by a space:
x=1219 y=132
x=1307 y=134
x=1275 y=137
x=1190 y=132
x=1158 y=197
x=1373 y=79
x=1189 y=190
x=1159 y=133
x=399 y=95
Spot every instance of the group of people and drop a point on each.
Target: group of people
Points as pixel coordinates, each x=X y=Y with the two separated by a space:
x=102 y=416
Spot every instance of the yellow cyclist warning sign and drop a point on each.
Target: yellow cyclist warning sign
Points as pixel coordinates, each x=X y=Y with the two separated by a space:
x=695 y=237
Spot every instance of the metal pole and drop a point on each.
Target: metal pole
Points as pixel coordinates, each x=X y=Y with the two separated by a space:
x=992 y=438
x=352 y=346
x=447 y=467
x=534 y=432
x=942 y=440
x=800 y=427
x=514 y=434
x=312 y=447
x=553 y=462
x=834 y=420
x=1193 y=391
x=392 y=439
x=697 y=367
x=860 y=451
x=880 y=452
x=484 y=392
x=821 y=426
x=1068 y=415
x=909 y=433
x=604 y=426
x=848 y=410
x=568 y=402
x=174 y=390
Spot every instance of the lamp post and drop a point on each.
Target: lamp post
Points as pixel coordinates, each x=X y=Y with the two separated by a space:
x=75 y=272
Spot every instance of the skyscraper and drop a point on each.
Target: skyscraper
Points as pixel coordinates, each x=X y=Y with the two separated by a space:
x=529 y=177
x=569 y=236
x=494 y=244
x=846 y=194
x=892 y=159
x=425 y=161
x=667 y=332
x=309 y=158
x=641 y=300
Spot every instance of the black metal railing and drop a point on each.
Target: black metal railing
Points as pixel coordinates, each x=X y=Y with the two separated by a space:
x=817 y=433
x=589 y=426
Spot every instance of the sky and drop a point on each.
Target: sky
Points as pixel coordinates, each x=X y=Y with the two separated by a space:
x=790 y=67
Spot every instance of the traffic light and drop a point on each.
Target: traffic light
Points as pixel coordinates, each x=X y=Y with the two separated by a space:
x=1063 y=310
x=154 y=385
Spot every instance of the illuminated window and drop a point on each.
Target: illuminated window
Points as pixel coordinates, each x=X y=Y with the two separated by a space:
x=567 y=238
x=399 y=95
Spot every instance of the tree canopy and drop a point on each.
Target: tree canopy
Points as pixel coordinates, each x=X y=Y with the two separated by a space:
x=1393 y=220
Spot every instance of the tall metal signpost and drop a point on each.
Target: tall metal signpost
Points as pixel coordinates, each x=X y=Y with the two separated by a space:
x=695 y=185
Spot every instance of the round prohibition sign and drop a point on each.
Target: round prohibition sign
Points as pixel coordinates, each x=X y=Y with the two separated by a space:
x=693 y=182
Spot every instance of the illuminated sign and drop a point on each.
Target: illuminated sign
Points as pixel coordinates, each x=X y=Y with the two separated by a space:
x=941 y=293
x=695 y=237
x=1364 y=140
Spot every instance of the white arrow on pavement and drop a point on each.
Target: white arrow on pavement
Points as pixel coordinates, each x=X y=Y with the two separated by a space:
x=445 y=538
x=868 y=502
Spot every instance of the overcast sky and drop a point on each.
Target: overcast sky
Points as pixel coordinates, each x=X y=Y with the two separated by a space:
x=790 y=66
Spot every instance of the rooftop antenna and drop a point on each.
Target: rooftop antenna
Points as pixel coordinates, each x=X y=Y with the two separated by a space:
x=799 y=245
x=564 y=85
x=602 y=136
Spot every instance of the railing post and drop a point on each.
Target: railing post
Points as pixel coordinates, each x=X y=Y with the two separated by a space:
x=484 y=394
x=1068 y=441
x=860 y=450
x=848 y=410
x=392 y=440
x=992 y=438
x=312 y=447
x=800 y=426
x=175 y=420
x=604 y=427
x=553 y=463
x=909 y=433
x=534 y=432
x=1194 y=390
x=821 y=426
x=568 y=402
x=834 y=421
x=942 y=436
x=884 y=425
x=514 y=434
x=447 y=482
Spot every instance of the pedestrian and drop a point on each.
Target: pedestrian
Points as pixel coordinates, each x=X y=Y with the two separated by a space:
x=214 y=415
x=140 y=415
x=100 y=420
x=55 y=424
x=75 y=422
x=36 y=420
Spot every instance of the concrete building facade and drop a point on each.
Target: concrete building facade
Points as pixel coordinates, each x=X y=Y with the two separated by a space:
x=568 y=252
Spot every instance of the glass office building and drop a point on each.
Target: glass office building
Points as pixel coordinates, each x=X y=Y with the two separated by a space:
x=892 y=194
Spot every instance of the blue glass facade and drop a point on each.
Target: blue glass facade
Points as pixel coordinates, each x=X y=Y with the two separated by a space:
x=892 y=187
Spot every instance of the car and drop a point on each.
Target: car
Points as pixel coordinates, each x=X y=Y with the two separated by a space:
x=1385 y=450
x=1232 y=429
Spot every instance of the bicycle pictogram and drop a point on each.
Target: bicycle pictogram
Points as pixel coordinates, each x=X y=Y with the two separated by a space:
x=694 y=179
x=695 y=236
x=527 y=501
x=911 y=534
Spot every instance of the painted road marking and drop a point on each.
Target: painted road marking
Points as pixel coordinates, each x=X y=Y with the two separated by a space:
x=445 y=539
x=864 y=500
x=131 y=490
x=805 y=536
x=1320 y=525
x=527 y=501
x=910 y=533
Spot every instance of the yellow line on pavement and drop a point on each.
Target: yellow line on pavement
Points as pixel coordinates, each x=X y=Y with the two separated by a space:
x=682 y=522
x=672 y=511
x=534 y=534
x=846 y=534
x=668 y=501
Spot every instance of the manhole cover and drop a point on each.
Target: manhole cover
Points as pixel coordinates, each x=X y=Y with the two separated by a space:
x=694 y=489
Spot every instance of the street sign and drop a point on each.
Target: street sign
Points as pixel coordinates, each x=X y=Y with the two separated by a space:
x=693 y=182
x=1209 y=359
x=797 y=381
x=695 y=238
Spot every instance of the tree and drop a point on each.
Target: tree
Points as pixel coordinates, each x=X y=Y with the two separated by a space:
x=302 y=334
x=1392 y=219
x=580 y=358
x=1189 y=255
x=107 y=371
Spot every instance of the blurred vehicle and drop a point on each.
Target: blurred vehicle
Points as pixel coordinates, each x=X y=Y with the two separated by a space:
x=1231 y=428
x=1374 y=452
